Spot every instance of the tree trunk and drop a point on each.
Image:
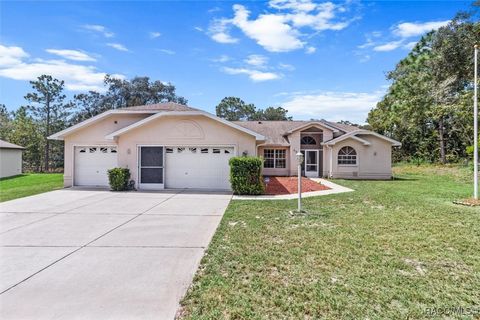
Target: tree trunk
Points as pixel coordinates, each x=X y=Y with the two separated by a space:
x=47 y=131
x=441 y=133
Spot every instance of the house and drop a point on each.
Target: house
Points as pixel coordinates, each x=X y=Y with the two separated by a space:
x=169 y=145
x=10 y=159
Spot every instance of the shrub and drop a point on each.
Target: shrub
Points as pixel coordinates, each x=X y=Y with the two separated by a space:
x=246 y=175
x=118 y=179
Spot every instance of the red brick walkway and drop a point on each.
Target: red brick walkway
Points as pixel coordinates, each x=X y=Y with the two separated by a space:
x=288 y=185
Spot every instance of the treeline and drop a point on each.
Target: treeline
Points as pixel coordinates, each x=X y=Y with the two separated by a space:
x=429 y=104
x=47 y=111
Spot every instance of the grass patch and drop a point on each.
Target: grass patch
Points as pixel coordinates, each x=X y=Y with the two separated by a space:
x=29 y=184
x=389 y=250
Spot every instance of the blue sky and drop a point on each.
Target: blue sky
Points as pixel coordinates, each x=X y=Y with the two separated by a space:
x=317 y=59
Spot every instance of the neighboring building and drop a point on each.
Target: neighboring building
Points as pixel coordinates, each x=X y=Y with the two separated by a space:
x=169 y=145
x=10 y=159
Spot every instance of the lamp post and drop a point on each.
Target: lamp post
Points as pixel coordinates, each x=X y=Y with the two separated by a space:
x=299 y=161
x=475 y=126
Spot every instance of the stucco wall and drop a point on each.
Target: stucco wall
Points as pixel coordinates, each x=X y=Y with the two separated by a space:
x=276 y=171
x=10 y=162
x=181 y=131
x=94 y=135
x=373 y=161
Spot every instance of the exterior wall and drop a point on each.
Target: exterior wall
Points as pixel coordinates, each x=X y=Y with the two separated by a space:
x=181 y=131
x=373 y=161
x=275 y=171
x=94 y=135
x=10 y=162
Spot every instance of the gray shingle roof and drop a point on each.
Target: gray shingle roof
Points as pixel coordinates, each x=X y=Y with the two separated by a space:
x=275 y=131
x=166 y=106
x=8 y=145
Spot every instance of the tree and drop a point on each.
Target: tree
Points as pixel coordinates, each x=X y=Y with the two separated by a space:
x=235 y=109
x=88 y=105
x=272 y=114
x=5 y=122
x=49 y=110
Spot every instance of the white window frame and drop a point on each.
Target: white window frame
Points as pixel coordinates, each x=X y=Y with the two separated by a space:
x=275 y=158
x=343 y=157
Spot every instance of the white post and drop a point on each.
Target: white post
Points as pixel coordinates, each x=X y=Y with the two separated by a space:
x=299 y=172
x=475 y=127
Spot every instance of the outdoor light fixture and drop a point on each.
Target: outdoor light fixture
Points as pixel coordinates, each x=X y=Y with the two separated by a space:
x=299 y=162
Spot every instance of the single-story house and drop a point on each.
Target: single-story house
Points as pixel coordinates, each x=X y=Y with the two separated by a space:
x=10 y=159
x=170 y=145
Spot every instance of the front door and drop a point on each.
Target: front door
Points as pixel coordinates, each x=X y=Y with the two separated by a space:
x=311 y=163
x=151 y=168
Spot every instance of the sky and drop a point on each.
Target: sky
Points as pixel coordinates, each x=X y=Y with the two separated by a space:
x=316 y=59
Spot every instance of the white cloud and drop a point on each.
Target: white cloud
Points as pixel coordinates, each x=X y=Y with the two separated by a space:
x=11 y=55
x=256 y=60
x=286 y=66
x=412 y=29
x=254 y=75
x=280 y=31
x=218 y=31
x=223 y=58
x=388 y=46
x=15 y=64
x=310 y=50
x=334 y=106
x=75 y=55
x=117 y=46
x=166 y=51
x=410 y=45
x=154 y=34
x=199 y=29
x=99 y=29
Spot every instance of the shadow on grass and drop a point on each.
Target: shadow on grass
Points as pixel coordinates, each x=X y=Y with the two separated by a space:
x=14 y=177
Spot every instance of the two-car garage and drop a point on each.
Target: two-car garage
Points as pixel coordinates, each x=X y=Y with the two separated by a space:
x=159 y=167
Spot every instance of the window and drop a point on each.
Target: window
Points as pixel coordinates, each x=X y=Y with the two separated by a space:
x=347 y=156
x=113 y=150
x=216 y=151
x=308 y=140
x=204 y=150
x=193 y=150
x=82 y=150
x=92 y=150
x=169 y=150
x=103 y=150
x=275 y=158
x=180 y=150
x=226 y=151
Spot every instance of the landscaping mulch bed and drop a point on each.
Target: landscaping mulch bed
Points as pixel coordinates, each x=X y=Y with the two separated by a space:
x=288 y=185
x=468 y=202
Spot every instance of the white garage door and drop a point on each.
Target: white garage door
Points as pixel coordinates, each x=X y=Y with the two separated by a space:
x=197 y=167
x=92 y=163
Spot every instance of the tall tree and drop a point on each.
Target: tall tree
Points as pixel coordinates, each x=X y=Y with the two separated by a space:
x=48 y=108
x=5 y=122
x=272 y=114
x=235 y=109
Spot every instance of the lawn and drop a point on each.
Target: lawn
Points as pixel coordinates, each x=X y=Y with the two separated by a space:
x=29 y=184
x=389 y=250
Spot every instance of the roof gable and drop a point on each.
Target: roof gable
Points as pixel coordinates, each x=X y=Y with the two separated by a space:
x=353 y=135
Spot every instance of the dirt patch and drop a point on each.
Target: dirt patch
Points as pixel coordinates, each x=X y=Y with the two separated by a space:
x=468 y=202
x=288 y=185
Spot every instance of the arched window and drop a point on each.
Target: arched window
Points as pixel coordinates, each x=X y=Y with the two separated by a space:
x=347 y=155
x=308 y=140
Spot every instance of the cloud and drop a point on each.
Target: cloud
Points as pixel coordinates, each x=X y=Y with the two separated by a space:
x=166 y=51
x=254 y=75
x=99 y=29
x=412 y=29
x=223 y=58
x=117 y=46
x=199 y=29
x=286 y=66
x=256 y=60
x=310 y=50
x=388 y=46
x=410 y=45
x=154 y=34
x=75 y=55
x=335 y=106
x=16 y=64
x=284 y=30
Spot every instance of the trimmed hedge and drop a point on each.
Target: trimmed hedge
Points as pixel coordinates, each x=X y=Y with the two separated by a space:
x=246 y=175
x=118 y=179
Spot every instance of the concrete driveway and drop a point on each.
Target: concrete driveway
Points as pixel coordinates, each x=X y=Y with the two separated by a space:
x=91 y=254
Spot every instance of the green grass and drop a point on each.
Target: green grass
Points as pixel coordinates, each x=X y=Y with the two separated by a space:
x=29 y=184
x=389 y=250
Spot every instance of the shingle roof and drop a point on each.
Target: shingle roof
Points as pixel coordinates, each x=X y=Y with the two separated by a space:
x=275 y=131
x=166 y=106
x=8 y=145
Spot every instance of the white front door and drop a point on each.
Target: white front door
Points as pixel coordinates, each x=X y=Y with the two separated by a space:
x=92 y=163
x=198 y=167
x=151 y=168
x=311 y=163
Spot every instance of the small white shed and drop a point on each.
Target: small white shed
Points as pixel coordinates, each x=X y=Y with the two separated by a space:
x=10 y=159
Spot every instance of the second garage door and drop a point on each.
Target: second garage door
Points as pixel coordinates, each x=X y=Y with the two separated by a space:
x=92 y=164
x=198 y=167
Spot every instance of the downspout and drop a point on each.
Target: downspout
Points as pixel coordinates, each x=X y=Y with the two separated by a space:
x=330 y=170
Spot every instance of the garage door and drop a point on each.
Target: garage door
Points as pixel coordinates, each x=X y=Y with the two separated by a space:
x=197 y=167
x=92 y=163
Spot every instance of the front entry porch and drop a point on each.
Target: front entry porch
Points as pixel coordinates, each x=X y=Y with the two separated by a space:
x=312 y=164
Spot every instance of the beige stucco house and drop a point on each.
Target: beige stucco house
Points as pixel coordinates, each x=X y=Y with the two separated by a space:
x=169 y=145
x=10 y=159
